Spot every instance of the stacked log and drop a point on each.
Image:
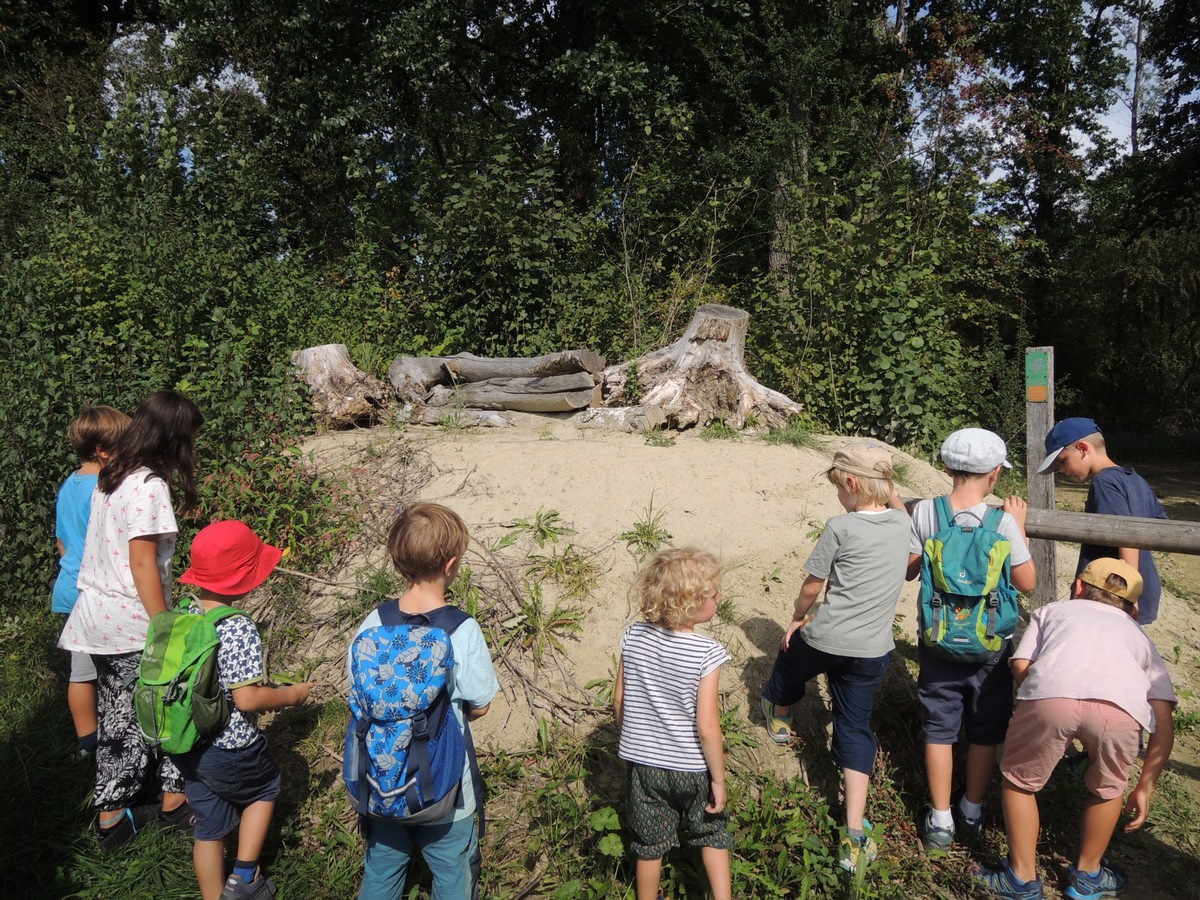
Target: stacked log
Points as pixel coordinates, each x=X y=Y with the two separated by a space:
x=557 y=382
x=699 y=379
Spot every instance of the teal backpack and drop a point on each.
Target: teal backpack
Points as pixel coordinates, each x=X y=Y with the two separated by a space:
x=967 y=607
x=177 y=699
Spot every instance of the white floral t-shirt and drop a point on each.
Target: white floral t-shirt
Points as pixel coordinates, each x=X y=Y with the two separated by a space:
x=109 y=617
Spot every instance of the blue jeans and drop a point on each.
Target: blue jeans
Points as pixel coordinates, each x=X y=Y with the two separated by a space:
x=451 y=851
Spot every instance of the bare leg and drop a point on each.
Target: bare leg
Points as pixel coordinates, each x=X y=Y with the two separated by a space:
x=252 y=833
x=110 y=817
x=1096 y=830
x=856 y=797
x=716 y=865
x=649 y=871
x=1021 y=821
x=981 y=762
x=81 y=700
x=171 y=801
x=939 y=769
x=209 y=859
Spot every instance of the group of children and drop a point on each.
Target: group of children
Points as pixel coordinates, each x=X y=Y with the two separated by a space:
x=116 y=528
x=666 y=690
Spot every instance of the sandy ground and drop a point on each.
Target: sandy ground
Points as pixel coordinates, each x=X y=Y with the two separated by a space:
x=759 y=507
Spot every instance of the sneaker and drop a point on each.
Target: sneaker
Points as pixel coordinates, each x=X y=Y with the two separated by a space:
x=934 y=837
x=778 y=727
x=113 y=837
x=856 y=851
x=1001 y=881
x=968 y=826
x=181 y=819
x=236 y=888
x=1108 y=882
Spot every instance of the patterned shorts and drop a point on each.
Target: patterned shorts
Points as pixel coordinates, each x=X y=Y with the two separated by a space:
x=659 y=803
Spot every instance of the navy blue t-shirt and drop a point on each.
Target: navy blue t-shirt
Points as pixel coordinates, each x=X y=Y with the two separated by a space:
x=1120 y=491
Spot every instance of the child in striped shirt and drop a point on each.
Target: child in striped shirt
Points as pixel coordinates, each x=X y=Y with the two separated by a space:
x=666 y=705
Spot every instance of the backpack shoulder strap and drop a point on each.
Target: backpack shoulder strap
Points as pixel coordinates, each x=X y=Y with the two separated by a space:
x=995 y=515
x=389 y=613
x=945 y=515
x=216 y=614
x=447 y=618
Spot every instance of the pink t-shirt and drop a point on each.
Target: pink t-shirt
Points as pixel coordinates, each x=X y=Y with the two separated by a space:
x=1084 y=650
x=109 y=617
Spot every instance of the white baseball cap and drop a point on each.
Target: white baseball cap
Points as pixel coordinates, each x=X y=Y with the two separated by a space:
x=974 y=450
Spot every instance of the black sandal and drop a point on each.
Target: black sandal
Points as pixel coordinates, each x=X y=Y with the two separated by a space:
x=182 y=818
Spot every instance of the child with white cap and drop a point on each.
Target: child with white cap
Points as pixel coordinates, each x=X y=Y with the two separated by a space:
x=955 y=695
x=1064 y=696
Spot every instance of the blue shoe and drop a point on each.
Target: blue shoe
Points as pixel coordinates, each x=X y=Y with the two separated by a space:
x=1001 y=881
x=966 y=825
x=1108 y=882
x=934 y=837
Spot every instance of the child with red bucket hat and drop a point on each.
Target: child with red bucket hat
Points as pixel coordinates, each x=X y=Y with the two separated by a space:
x=231 y=781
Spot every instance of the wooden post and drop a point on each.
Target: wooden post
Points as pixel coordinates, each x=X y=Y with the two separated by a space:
x=1039 y=419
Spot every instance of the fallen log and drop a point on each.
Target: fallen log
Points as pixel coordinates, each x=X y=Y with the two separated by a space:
x=343 y=395
x=700 y=378
x=560 y=393
x=624 y=418
x=468 y=367
x=414 y=377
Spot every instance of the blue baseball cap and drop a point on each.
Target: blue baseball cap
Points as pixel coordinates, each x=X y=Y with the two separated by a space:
x=1063 y=435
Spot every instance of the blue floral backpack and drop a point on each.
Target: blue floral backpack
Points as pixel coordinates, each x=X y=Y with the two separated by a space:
x=404 y=749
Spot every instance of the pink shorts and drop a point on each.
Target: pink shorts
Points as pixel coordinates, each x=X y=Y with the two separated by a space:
x=1041 y=731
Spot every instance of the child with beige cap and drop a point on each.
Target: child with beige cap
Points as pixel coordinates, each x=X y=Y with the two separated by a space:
x=1064 y=696
x=863 y=556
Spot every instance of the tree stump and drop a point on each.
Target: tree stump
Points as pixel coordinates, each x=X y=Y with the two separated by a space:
x=701 y=378
x=343 y=395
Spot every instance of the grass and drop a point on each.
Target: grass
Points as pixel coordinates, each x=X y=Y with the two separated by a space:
x=647 y=536
x=720 y=431
x=798 y=432
x=573 y=572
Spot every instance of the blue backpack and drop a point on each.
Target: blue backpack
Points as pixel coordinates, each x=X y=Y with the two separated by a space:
x=967 y=606
x=404 y=749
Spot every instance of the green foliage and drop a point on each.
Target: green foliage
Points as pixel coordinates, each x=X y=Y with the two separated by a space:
x=799 y=431
x=546 y=526
x=574 y=573
x=719 y=431
x=647 y=535
x=868 y=330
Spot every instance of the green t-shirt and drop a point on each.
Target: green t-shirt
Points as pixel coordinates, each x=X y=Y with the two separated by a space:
x=864 y=556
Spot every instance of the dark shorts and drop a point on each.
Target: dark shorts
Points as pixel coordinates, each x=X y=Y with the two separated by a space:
x=659 y=803
x=853 y=681
x=219 y=784
x=957 y=695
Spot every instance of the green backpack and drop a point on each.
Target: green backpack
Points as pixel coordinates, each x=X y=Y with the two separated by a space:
x=177 y=698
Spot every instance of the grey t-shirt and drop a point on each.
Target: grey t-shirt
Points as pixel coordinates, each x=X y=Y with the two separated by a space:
x=864 y=556
x=924 y=526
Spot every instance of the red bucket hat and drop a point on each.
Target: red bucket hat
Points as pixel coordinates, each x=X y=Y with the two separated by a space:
x=228 y=558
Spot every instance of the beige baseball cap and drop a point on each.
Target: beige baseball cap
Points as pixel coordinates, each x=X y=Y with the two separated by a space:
x=868 y=459
x=1097 y=571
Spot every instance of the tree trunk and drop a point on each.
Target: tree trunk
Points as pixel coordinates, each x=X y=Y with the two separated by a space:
x=701 y=378
x=343 y=395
